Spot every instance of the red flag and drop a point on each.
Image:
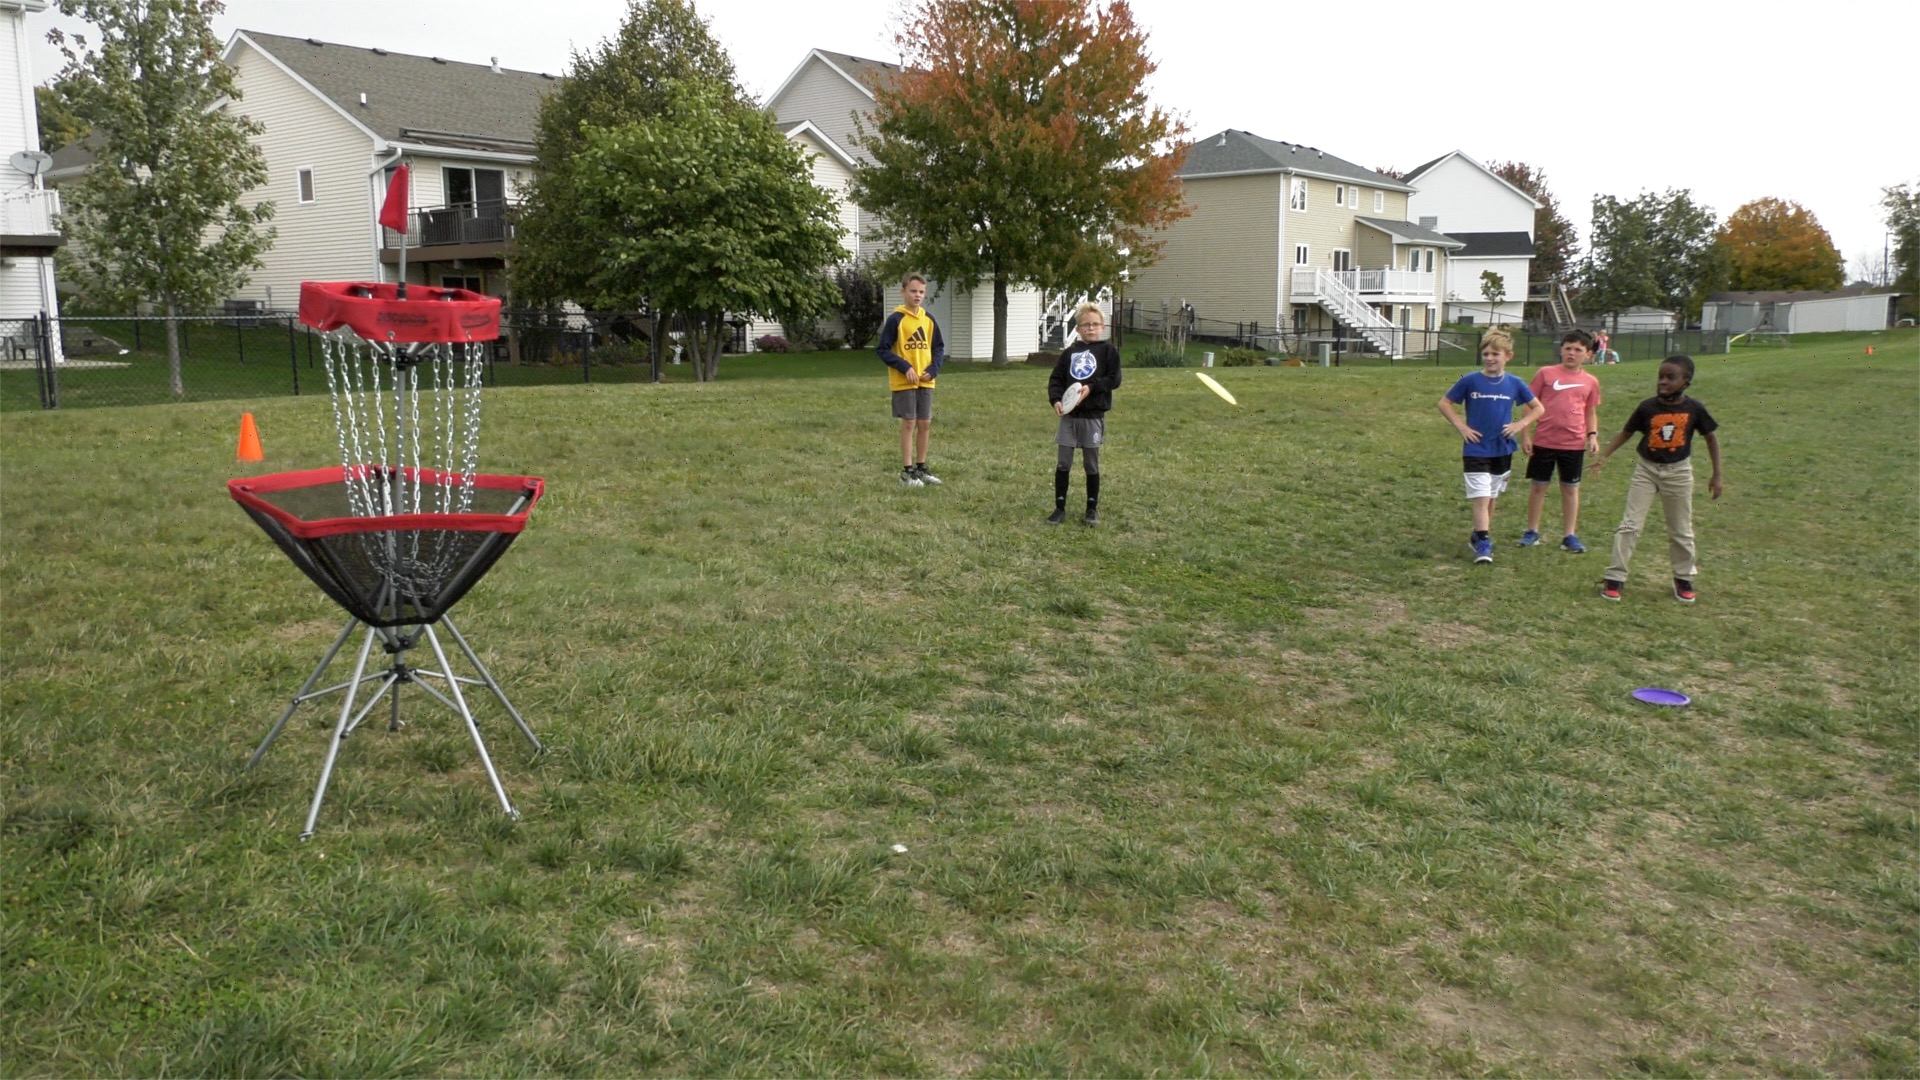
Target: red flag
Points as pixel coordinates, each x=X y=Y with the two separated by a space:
x=393 y=213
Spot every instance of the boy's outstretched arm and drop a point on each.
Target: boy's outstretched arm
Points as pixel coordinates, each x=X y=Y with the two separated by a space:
x=1713 y=451
x=1624 y=435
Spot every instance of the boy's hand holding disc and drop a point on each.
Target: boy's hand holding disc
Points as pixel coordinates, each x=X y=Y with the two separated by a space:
x=1075 y=394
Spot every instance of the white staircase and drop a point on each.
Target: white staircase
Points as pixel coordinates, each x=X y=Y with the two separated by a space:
x=1346 y=305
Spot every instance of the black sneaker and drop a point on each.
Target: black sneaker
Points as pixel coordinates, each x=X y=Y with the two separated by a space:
x=926 y=477
x=1093 y=516
x=1056 y=517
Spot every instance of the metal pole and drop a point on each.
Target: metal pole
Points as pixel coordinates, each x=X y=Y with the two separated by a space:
x=293 y=356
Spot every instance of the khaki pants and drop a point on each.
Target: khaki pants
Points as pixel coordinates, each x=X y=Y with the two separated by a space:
x=1674 y=486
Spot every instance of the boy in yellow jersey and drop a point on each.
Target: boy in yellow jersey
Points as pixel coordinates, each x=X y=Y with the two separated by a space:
x=911 y=347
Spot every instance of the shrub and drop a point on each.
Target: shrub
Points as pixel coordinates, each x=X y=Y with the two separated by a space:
x=770 y=343
x=862 y=297
x=1240 y=358
x=831 y=344
x=1159 y=353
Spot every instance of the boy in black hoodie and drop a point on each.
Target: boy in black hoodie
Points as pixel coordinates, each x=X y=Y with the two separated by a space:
x=1094 y=362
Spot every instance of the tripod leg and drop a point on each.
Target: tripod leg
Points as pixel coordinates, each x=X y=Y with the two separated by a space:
x=487 y=677
x=302 y=695
x=339 y=733
x=473 y=729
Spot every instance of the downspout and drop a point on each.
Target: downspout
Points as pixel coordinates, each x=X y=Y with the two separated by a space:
x=373 y=203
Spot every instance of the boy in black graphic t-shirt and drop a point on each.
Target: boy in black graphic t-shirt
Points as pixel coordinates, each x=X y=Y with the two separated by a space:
x=1667 y=423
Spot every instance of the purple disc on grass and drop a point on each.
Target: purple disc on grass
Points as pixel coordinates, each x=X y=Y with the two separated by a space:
x=1654 y=695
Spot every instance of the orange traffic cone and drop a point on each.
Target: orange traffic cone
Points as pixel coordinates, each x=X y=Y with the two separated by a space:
x=1869 y=350
x=249 y=440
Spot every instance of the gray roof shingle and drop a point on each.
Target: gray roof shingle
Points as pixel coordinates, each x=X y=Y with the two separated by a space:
x=1411 y=233
x=1244 y=152
x=419 y=99
x=1493 y=245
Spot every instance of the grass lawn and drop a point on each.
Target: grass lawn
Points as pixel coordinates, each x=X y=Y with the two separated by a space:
x=1260 y=777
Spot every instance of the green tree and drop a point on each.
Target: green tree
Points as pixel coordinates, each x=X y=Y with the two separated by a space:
x=1770 y=244
x=862 y=303
x=159 y=218
x=1902 y=204
x=713 y=208
x=1658 y=250
x=661 y=45
x=1018 y=146
x=1554 y=237
x=60 y=125
x=1493 y=288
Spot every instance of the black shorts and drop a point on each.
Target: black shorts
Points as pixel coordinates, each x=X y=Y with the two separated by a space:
x=1540 y=467
x=1498 y=466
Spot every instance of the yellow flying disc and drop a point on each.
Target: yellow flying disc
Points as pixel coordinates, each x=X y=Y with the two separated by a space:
x=1215 y=387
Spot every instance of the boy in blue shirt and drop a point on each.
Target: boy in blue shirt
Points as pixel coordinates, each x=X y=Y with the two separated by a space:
x=1490 y=396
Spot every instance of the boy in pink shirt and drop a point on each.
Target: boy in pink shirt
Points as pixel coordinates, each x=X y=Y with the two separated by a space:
x=1569 y=430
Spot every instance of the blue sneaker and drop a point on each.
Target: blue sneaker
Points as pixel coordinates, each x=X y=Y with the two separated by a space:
x=1573 y=545
x=1529 y=538
x=1483 y=551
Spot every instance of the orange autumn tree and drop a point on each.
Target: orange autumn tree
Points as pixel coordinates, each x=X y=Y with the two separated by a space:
x=1771 y=245
x=1018 y=146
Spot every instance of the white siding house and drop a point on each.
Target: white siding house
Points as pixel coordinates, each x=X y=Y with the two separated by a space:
x=29 y=210
x=1462 y=198
x=826 y=95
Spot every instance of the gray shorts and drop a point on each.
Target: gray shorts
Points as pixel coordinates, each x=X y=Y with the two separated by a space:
x=1081 y=431
x=914 y=404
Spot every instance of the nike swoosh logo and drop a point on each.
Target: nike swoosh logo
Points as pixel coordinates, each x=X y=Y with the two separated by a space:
x=1558 y=385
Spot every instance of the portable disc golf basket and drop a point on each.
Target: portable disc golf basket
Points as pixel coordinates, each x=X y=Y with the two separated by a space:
x=406 y=525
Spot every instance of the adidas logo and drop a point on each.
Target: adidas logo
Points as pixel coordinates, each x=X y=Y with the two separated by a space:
x=918 y=337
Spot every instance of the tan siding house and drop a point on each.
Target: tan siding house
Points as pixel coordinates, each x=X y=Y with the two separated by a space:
x=1288 y=237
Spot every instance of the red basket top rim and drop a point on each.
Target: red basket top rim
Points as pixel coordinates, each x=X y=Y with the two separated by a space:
x=374 y=311
x=247 y=491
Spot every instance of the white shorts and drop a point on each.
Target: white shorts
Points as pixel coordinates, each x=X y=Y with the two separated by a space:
x=1483 y=485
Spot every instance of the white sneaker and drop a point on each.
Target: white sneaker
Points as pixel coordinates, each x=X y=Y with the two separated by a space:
x=908 y=479
x=925 y=475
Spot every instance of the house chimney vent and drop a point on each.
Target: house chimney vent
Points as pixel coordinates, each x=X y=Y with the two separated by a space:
x=496 y=64
x=363 y=97
x=1428 y=221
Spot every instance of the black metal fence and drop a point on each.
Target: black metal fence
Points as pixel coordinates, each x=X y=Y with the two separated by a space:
x=78 y=361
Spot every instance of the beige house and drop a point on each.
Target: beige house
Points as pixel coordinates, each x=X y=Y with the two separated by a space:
x=338 y=118
x=828 y=94
x=29 y=208
x=1289 y=245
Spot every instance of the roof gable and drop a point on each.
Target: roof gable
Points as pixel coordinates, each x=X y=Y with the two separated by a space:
x=806 y=129
x=861 y=73
x=418 y=100
x=1422 y=170
x=1237 y=152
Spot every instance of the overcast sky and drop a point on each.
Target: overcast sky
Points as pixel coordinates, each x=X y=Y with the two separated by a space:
x=1810 y=103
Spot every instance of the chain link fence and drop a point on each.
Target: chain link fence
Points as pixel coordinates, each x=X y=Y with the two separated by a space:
x=82 y=361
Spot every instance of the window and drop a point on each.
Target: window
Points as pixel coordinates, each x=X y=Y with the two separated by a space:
x=1299 y=318
x=1429 y=260
x=1339 y=194
x=1299 y=194
x=1413 y=259
x=1299 y=254
x=1342 y=259
x=1379 y=202
x=481 y=192
x=451 y=282
x=305 y=181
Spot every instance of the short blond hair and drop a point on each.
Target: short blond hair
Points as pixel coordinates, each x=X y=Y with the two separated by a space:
x=1081 y=311
x=1497 y=338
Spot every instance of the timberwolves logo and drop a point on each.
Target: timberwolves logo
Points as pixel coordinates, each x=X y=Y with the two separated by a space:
x=1081 y=366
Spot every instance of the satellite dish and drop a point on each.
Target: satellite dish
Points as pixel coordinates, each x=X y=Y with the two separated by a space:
x=32 y=162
